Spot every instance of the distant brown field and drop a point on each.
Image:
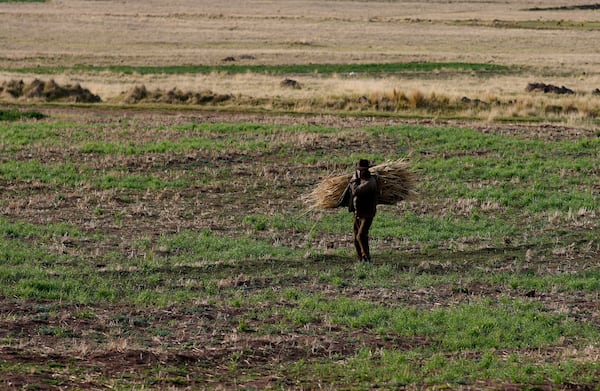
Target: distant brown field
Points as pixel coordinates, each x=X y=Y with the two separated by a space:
x=190 y=32
x=276 y=32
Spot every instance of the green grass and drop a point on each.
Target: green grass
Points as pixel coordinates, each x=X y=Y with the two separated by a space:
x=63 y=174
x=375 y=68
x=397 y=369
x=210 y=247
x=24 y=230
x=16 y=115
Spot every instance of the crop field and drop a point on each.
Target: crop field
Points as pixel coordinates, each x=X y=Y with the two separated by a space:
x=155 y=161
x=173 y=249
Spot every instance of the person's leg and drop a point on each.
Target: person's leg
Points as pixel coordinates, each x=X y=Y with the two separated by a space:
x=363 y=237
x=355 y=236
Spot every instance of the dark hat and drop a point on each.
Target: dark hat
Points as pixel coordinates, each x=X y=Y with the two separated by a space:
x=363 y=164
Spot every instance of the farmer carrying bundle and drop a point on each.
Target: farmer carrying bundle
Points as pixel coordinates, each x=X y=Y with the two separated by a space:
x=361 y=192
x=394 y=184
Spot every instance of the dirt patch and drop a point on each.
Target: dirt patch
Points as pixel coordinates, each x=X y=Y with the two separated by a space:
x=290 y=83
x=580 y=7
x=548 y=89
x=118 y=341
x=191 y=346
x=48 y=91
x=241 y=57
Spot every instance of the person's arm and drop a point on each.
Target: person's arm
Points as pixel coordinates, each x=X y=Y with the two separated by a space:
x=365 y=186
x=354 y=182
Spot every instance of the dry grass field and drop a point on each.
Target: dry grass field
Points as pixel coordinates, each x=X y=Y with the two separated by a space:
x=162 y=242
x=553 y=45
x=291 y=31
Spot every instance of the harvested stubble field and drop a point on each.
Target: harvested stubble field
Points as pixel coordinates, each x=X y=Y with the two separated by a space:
x=157 y=239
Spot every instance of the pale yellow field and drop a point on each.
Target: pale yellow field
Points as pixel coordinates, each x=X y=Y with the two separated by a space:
x=190 y=32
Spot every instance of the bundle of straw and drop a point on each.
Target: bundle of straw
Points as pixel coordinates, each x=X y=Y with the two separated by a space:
x=394 y=184
x=329 y=193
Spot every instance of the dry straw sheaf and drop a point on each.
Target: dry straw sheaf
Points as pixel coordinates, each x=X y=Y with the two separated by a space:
x=395 y=183
x=140 y=94
x=328 y=193
x=49 y=91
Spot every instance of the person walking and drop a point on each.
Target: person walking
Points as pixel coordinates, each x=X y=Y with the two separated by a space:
x=363 y=202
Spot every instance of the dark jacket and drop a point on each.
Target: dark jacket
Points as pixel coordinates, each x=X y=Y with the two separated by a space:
x=364 y=196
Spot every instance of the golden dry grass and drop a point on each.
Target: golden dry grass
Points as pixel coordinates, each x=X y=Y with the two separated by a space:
x=328 y=193
x=395 y=181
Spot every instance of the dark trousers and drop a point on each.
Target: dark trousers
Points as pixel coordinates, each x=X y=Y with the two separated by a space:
x=361 y=236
